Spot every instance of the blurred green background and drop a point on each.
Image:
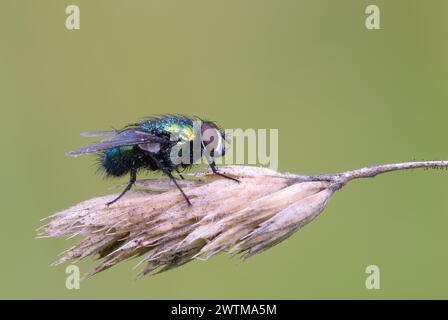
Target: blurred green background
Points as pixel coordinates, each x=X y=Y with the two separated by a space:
x=341 y=96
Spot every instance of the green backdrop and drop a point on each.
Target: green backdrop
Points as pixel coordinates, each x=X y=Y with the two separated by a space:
x=341 y=96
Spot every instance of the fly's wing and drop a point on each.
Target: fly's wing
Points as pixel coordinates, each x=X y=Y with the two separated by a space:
x=99 y=133
x=127 y=137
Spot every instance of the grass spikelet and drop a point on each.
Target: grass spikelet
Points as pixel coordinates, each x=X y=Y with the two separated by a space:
x=244 y=218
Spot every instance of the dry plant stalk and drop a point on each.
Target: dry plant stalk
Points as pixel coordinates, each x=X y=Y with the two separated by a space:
x=242 y=218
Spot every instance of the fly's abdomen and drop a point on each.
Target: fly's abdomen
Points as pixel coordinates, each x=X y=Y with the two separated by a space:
x=118 y=161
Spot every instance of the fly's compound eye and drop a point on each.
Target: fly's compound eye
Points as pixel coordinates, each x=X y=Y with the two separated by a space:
x=212 y=140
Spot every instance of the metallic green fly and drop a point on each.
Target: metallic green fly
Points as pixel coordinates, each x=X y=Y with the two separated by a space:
x=148 y=145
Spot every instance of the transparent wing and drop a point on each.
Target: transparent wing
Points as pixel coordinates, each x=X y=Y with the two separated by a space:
x=127 y=137
x=99 y=133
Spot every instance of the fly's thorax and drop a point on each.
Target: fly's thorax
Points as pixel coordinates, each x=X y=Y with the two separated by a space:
x=171 y=126
x=190 y=139
x=180 y=132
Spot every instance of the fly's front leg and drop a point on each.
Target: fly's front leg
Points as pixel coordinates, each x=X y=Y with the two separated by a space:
x=180 y=175
x=212 y=165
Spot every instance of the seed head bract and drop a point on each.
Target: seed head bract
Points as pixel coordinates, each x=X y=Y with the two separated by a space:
x=155 y=223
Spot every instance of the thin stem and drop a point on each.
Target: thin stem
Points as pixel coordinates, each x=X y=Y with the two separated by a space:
x=372 y=171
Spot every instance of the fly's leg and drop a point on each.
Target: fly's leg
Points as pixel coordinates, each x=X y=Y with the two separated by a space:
x=215 y=171
x=180 y=175
x=212 y=165
x=131 y=182
x=170 y=175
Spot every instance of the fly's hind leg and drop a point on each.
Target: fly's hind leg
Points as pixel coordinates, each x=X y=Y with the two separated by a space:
x=131 y=182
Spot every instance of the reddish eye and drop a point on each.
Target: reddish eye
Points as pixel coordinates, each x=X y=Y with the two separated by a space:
x=207 y=131
x=212 y=139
